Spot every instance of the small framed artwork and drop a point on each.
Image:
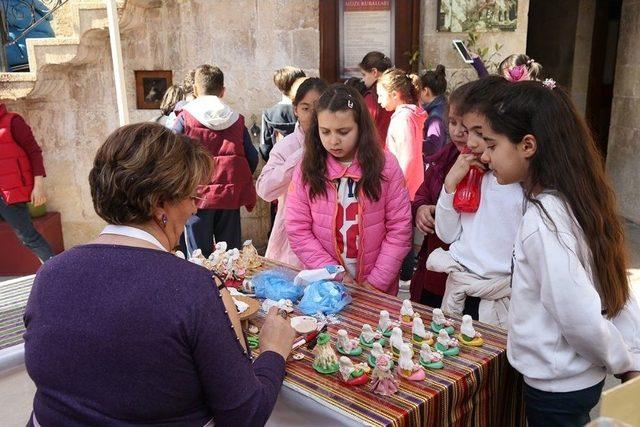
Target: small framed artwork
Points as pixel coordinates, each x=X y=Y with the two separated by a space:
x=462 y=16
x=150 y=88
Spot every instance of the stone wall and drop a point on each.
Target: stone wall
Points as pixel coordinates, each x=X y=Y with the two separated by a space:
x=437 y=48
x=623 y=159
x=248 y=39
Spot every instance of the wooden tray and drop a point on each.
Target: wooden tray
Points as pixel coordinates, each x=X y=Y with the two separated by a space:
x=254 y=306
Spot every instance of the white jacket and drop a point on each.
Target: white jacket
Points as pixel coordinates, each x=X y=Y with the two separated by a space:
x=558 y=338
x=482 y=241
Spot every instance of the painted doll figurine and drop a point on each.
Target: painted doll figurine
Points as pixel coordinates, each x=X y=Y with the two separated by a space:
x=439 y=321
x=350 y=347
x=376 y=350
x=406 y=312
x=409 y=369
x=396 y=341
x=446 y=345
x=419 y=334
x=352 y=375
x=468 y=335
x=384 y=381
x=249 y=257
x=325 y=361
x=368 y=336
x=430 y=359
x=385 y=324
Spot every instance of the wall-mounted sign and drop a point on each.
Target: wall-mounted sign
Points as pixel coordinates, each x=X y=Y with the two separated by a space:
x=365 y=25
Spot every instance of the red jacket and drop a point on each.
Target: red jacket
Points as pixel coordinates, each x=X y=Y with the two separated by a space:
x=231 y=184
x=380 y=116
x=16 y=177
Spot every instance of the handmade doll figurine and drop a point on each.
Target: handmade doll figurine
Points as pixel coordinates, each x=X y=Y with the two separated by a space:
x=376 y=350
x=430 y=359
x=406 y=312
x=325 y=361
x=419 y=334
x=249 y=257
x=439 y=321
x=351 y=374
x=385 y=324
x=384 y=382
x=468 y=335
x=368 y=336
x=407 y=367
x=396 y=341
x=446 y=345
x=350 y=347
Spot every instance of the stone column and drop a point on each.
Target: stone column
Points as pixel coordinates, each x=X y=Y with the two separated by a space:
x=623 y=157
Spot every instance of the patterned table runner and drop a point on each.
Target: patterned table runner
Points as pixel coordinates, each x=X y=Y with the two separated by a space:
x=476 y=388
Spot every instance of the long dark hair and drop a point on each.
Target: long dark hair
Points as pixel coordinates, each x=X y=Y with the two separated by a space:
x=340 y=97
x=568 y=162
x=435 y=80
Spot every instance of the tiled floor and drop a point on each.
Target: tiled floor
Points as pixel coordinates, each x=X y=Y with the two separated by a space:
x=17 y=389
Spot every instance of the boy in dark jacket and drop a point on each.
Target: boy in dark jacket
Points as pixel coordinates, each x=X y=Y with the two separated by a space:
x=279 y=120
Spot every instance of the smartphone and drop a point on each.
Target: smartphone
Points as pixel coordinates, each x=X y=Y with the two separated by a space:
x=462 y=50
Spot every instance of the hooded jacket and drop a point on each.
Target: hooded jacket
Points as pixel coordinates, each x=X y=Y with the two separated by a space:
x=385 y=225
x=221 y=131
x=404 y=140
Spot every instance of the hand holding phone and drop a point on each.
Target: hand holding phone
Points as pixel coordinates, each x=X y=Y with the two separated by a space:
x=462 y=50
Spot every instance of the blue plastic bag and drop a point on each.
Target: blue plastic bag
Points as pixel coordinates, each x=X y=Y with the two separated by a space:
x=325 y=296
x=276 y=285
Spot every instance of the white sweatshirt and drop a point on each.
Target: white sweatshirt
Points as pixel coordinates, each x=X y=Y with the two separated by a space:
x=558 y=338
x=482 y=241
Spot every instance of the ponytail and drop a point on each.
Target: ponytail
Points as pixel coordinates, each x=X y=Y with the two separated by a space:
x=407 y=85
x=435 y=80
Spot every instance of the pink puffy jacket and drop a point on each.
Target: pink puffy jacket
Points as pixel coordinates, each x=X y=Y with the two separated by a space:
x=272 y=184
x=385 y=225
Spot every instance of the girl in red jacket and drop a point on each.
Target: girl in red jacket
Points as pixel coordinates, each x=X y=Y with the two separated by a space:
x=372 y=66
x=347 y=202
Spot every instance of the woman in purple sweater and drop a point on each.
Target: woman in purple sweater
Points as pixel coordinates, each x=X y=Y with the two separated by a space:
x=121 y=331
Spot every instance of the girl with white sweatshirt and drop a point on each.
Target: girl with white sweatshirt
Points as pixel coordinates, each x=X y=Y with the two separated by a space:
x=479 y=257
x=573 y=317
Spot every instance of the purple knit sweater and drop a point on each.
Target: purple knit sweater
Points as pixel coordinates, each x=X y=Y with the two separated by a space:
x=118 y=335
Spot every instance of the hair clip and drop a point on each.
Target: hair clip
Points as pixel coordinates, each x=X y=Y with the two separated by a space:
x=530 y=61
x=349 y=103
x=517 y=73
x=549 y=83
x=501 y=108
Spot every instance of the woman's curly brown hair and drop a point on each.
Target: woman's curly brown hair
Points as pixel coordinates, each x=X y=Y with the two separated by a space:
x=141 y=165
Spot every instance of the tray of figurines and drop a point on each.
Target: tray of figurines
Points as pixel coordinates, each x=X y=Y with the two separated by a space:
x=232 y=264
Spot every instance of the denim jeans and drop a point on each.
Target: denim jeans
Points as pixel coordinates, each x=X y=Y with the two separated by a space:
x=569 y=409
x=17 y=216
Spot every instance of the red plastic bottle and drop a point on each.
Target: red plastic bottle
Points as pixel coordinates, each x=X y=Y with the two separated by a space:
x=467 y=197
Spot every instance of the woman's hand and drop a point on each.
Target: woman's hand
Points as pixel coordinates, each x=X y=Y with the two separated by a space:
x=38 y=196
x=459 y=170
x=425 y=218
x=277 y=335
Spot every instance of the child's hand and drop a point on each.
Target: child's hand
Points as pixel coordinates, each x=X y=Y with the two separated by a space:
x=38 y=196
x=348 y=279
x=425 y=218
x=459 y=170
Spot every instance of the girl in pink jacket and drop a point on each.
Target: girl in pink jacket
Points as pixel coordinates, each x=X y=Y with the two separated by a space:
x=347 y=202
x=399 y=92
x=276 y=175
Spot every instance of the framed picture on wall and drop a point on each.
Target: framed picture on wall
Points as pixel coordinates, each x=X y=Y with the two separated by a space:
x=461 y=16
x=150 y=87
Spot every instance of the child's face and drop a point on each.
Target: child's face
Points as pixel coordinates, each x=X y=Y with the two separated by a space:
x=509 y=162
x=369 y=77
x=475 y=124
x=387 y=100
x=425 y=95
x=457 y=132
x=338 y=133
x=305 y=108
